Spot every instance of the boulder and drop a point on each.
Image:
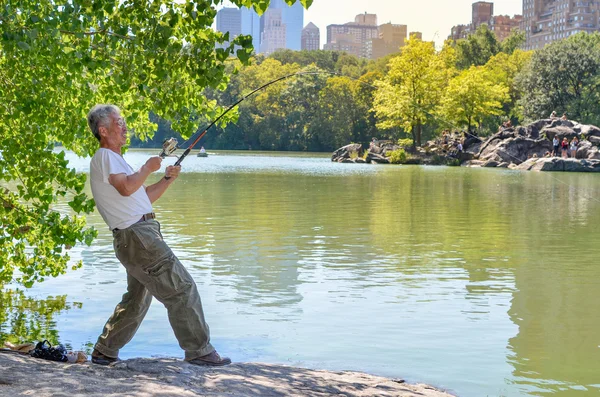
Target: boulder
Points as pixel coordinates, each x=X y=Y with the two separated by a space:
x=589 y=130
x=474 y=163
x=345 y=151
x=377 y=158
x=559 y=131
x=560 y=164
x=594 y=140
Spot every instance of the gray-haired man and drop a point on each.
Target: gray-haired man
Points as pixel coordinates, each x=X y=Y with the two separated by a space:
x=152 y=269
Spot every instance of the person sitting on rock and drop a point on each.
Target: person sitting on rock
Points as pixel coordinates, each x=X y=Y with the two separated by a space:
x=564 y=117
x=553 y=115
x=564 y=145
x=574 y=145
x=459 y=147
x=555 y=144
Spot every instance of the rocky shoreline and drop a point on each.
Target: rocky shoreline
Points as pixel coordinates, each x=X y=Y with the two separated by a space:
x=526 y=148
x=166 y=377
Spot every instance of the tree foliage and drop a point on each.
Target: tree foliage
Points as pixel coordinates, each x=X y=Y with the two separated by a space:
x=563 y=77
x=471 y=97
x=59 y=59
x=412 y=88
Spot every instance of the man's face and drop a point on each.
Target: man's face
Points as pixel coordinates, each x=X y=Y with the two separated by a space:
x=116 y=132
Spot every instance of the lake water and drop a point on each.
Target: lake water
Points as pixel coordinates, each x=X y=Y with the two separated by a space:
x=484 y=282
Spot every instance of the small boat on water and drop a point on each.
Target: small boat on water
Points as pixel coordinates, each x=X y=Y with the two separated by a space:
x=202 y=152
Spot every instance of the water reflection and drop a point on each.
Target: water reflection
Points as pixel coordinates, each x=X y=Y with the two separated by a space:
x=479 y=281
x=26 y=319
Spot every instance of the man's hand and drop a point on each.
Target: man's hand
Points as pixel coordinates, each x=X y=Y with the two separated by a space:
x=172 y=172
x=153 y=164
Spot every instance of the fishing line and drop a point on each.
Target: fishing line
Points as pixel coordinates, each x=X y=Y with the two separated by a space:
x=170 y=145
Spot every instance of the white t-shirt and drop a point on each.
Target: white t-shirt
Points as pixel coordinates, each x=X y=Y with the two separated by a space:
x=119 y=212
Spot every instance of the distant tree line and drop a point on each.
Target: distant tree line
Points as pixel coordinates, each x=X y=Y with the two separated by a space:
x=472 y=84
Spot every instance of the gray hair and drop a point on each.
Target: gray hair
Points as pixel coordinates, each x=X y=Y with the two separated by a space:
x=99 y=117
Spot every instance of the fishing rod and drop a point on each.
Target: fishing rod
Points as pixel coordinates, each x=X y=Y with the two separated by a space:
x=171 y=144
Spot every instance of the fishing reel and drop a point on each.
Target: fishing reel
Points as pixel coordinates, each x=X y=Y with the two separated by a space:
x=169 y=146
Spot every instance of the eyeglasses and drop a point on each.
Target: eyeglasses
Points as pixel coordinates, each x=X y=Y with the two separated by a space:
x=121 y=123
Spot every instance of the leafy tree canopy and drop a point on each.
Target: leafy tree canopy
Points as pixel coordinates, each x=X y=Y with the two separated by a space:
x=412 y=89
x=564 y=77
x=479 y=47
x=59 y=59
x=471 y=97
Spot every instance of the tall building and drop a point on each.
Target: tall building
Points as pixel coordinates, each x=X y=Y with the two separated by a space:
x=353 y=37
x=229 y=20
x=391 y=39
x=503 y=25
x=251 y=26
x=366 y=19
x=273 y=36
x=311 y=38
x=545 y=21
x=482 y=13
x=293 y=19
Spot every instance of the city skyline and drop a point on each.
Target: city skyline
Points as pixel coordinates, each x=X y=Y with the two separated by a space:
x=434 y=18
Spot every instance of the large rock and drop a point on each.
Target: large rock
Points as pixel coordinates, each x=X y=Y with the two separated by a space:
x=515 y=149
x=377 y=158
x=560 y=164
x=167 y=377
x=534 y=141
x=346 y=152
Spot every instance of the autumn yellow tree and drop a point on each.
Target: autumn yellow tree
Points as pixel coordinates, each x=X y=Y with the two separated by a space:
x=413 y=87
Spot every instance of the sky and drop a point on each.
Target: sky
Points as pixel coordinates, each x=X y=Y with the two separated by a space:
x=434 y=18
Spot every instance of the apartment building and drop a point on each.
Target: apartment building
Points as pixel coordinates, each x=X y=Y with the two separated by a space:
x=353 y=37
x=503 y=25
x=391 y=38
x=545 y=21
x=483 y=12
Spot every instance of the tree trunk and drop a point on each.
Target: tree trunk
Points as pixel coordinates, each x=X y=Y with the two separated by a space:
x=419 y=130
x=413 y=132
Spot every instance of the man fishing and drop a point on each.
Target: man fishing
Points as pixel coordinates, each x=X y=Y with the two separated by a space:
x=152 y=269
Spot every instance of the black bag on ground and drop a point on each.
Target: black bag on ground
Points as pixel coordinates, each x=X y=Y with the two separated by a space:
x=44 y=350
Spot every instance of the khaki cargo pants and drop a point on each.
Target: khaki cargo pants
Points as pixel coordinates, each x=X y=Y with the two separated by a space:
x=153 y=270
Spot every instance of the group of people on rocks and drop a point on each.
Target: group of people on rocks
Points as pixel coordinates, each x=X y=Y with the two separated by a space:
x=456 y=144
x=567 y=149
x=553 y=116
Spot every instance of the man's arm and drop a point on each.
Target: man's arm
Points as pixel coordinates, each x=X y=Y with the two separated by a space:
x=126 y=185
x=156 y=190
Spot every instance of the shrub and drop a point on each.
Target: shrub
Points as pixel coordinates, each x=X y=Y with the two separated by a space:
x=398 y=156
x=407 y=142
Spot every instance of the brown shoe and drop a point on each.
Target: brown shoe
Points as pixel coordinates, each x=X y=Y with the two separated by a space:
x=101 y=359
x=212 y=359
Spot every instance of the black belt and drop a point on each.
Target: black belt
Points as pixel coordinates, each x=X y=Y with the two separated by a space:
x=145 y=217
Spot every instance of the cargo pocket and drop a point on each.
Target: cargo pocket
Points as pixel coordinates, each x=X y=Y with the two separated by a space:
x=167 y=280
x=151 y=245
